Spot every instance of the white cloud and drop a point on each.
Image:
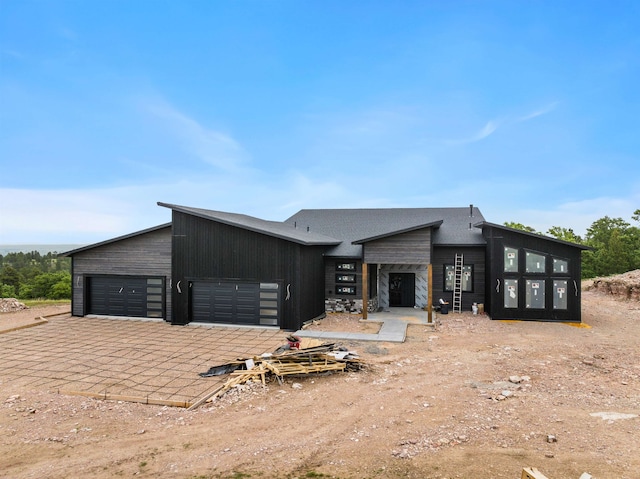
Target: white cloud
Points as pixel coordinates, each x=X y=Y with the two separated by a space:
x=539 y=112
x=488 y=129
x=577 y=215
x=211 y=146
x=50 y=215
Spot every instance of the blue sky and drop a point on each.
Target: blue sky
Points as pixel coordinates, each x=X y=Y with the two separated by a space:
x=529 y=110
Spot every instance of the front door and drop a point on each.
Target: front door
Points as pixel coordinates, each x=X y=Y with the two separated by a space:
x=402 y=290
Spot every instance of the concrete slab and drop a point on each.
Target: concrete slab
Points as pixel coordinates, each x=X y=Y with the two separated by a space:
x=394 y=326
x=142 y=361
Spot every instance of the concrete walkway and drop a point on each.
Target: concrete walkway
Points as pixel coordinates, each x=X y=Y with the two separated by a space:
x=394 y=326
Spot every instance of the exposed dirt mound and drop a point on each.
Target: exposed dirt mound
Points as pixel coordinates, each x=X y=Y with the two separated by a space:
x=626 y=285
x=8 y=305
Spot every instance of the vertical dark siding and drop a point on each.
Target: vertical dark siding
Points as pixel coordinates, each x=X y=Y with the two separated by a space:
x=147 y=254
x=206 y=249
x=497 y=239
x=311 y=281
x=472 y=256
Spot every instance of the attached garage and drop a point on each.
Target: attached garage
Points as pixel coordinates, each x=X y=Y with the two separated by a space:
x=129 y=276
x=232 y=302
x=141 y=297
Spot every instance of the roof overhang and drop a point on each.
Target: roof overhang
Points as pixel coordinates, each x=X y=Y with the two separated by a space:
x=275 y=229
x=433 y=224
x=484 y=224
x=114 y=240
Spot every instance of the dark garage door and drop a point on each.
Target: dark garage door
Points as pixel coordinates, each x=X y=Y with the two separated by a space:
x=229 y=303
x=126 y=296
x=234 y=303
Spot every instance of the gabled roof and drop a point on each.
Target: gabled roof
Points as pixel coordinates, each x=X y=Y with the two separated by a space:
x=276 y=229
x=433 y=224
x=451 y=226
x=533 y=235
x=113 y=240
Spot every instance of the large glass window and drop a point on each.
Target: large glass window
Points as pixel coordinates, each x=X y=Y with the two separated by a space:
x=535 y=293
x=535 y=262
x=560 y=294
x=510 y=260
x=466 y=280
x=560 y=265
x=510 y=293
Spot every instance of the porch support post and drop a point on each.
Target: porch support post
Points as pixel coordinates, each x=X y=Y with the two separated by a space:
x=365 y=290
x=429 y=294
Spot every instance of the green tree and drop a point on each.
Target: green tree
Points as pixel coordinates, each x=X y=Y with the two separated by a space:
x=51 y=285
x=11 y=277
x=565 y=234
x=61 y=289
x=520 y=226
x=616 y=247
x=7 y=291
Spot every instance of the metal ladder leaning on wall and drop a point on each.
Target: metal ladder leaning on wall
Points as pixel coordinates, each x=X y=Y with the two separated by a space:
x=457 y=284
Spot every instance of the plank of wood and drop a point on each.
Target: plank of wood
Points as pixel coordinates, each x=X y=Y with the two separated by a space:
x=204 y=398
x=532 y=473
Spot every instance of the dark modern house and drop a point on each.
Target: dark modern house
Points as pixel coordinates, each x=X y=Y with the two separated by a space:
x=216 y=267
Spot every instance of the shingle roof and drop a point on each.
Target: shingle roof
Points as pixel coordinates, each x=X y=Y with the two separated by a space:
x=270 y=228
x=451 y=226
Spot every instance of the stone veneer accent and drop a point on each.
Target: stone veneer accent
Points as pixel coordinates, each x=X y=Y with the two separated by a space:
x=339 y=305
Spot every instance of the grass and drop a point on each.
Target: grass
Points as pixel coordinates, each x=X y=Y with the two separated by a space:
x=34 y=303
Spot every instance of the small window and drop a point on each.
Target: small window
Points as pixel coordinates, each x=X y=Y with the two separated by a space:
x=346 y=266
x=345 y=278
x=510 y=260
x=466 y=279
x=560 y=266
x=346 y=290
x=535 y=262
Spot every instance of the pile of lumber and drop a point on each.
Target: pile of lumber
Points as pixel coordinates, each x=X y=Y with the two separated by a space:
x=309 y=359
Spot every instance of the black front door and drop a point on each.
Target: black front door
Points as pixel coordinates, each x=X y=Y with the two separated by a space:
x=402 y=288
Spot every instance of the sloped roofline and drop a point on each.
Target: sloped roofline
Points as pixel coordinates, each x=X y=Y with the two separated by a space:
x=114 y=240
x=275 y=229
x=433 y=224
x=533 y=235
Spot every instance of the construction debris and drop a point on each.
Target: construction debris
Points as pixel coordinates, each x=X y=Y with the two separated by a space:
x=312 y=357
x=8 y=305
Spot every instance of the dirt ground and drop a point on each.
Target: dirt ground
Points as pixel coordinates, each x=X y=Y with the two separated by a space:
x=468 y=398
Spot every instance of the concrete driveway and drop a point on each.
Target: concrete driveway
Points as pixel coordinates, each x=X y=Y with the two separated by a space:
x=145 y=361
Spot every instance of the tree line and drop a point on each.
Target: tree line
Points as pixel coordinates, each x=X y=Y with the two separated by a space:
x=614 y=243
x=33 y=276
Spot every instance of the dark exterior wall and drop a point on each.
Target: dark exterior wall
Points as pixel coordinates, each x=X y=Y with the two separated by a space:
x=472 y=256
x=147 y=254
x=413 y=247
x=330 y=283
x=310 y=286
x=497 y=239
x=206 y=249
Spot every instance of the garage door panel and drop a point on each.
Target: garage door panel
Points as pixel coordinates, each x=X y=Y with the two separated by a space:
x=227 y=302
x=124 y=296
